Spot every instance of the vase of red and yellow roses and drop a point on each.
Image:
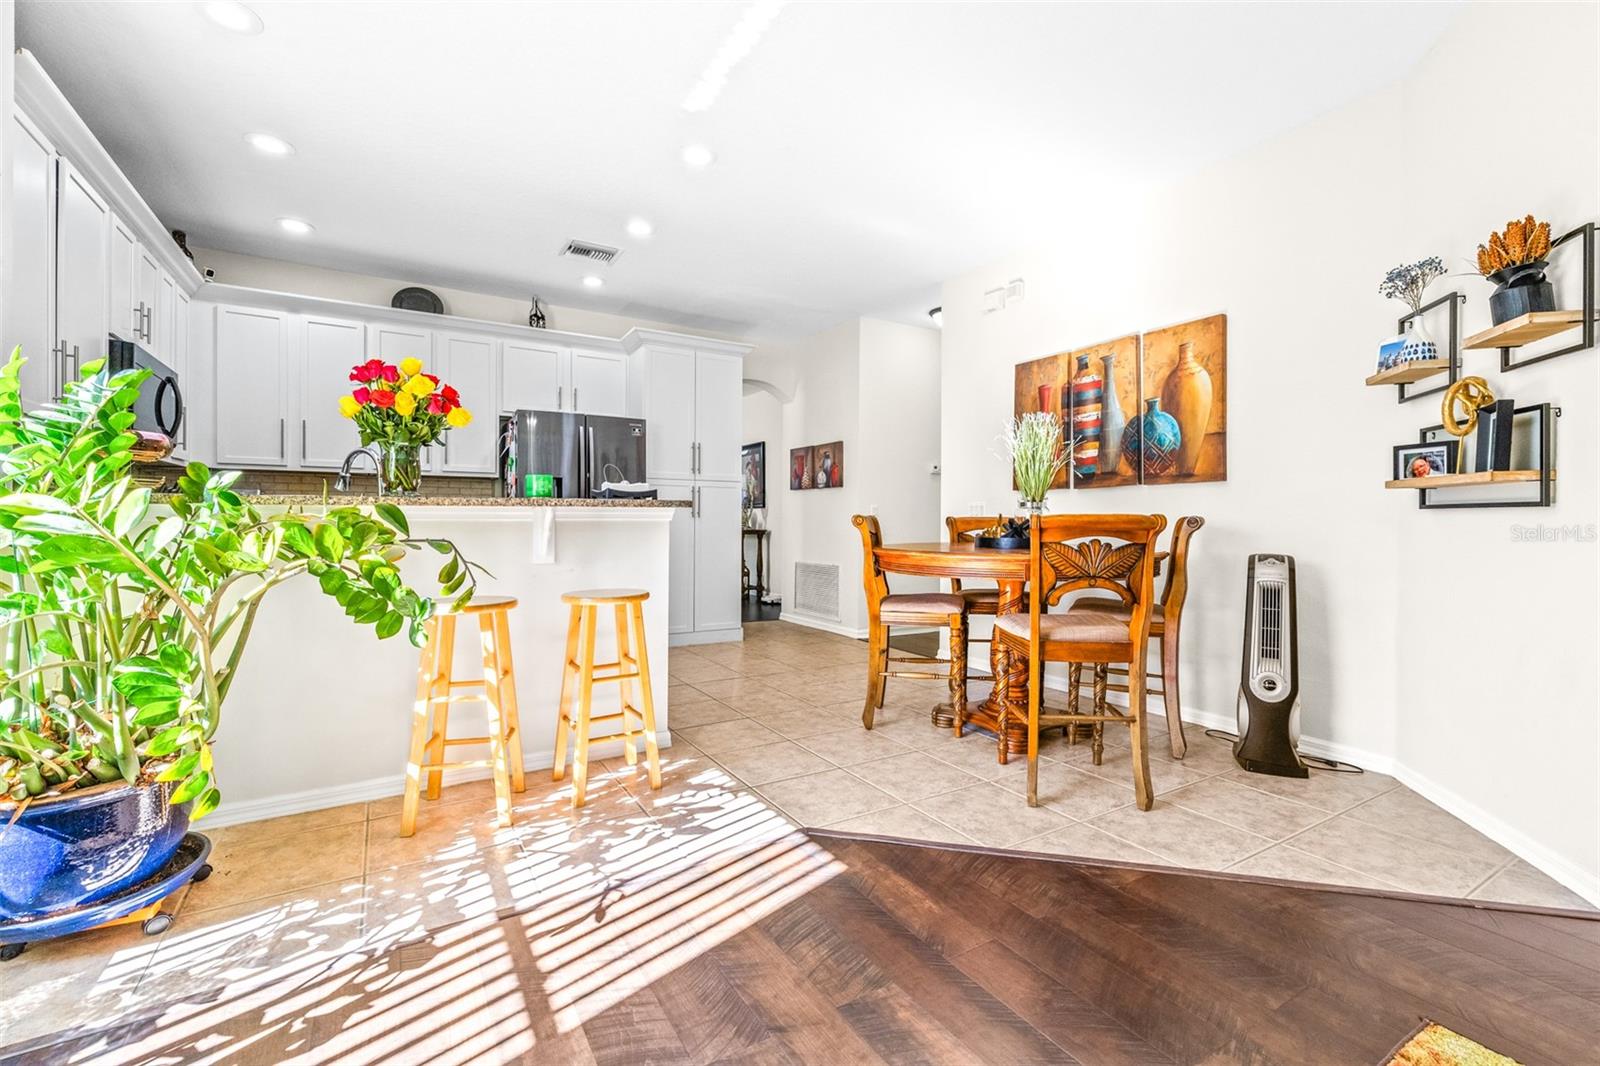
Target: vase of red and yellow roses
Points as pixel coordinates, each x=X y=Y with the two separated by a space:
x=401 y=410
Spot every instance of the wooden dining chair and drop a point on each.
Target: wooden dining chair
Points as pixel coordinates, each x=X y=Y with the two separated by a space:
x=939 y=609
x=1166 y=619
x=1075 y=553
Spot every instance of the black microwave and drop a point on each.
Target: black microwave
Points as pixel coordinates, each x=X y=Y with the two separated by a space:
x=159 y=408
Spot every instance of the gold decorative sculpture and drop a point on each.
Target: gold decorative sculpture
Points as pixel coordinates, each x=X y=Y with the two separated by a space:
x=1469 y=395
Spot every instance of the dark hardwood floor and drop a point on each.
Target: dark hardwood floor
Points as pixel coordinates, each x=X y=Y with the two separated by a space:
x=916 y=954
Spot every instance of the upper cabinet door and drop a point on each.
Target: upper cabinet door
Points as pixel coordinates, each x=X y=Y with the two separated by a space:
x=146 y=293
x=126 y=322
x=669 y=414
x=29 y=294
x=162 y=319
x=467 y=362
x=83 y=246
x=252 y=368
x=718 y=429
x=599 y=382
x=329 y=348
x=393 y=344
x=534 y=377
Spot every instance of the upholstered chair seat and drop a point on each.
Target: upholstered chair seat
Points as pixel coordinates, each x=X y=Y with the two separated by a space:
x=1097 y=627
x=921 y=603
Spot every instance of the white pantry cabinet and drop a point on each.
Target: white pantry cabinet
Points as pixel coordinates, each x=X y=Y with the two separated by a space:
x=703 y=575
x=328 y=349
x=30 y=268
x=146 y=295
x=467 y=362
x=252 y=386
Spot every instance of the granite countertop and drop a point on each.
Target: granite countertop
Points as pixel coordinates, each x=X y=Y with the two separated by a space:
x=343 y=499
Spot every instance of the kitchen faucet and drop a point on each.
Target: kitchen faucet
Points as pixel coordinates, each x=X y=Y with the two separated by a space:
x=343 y=483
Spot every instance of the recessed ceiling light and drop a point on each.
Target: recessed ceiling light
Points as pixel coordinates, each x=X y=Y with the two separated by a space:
x=267 y=144
x=639 y=227
x=232 y=15
x=697 y=155
x=593 y=281
x=298 y=227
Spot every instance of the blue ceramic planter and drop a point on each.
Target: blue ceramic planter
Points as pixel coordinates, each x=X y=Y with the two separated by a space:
x=85 y=846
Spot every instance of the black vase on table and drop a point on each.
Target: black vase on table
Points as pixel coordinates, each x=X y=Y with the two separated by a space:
x=1520 y=289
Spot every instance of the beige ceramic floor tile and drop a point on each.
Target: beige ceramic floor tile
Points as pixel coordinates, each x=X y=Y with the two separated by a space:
x=979 y=755
x=681 y=694
x=1084 y=841
x=696 y=714
x=991 y=815
x=1116 y=764
x=87 y=979
x=1288 y=863
x=246 y=869
x=852 y=745
x=1403 y=811
x=1180 y=835
x=826 y=797
x=1332 y=791
x=443 y=835
x=1521 y=883
x=1244 y=808
x=904 y=822
x=810 y=721
x=288 y=824
x=405 y=902
x=1410 y=864
x=1067 y=790
x=480 y=793
x=913 y=775
x=725 y=737
x=772 y=762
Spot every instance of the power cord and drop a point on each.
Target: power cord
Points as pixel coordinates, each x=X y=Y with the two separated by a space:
x=1315 y=762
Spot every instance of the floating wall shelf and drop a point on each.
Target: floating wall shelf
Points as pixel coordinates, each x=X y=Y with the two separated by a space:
x=1542 y=438
x=1449 y=363
x=1536 y=325
x=1409 y=372
x=1457 y=481
x=1525 y=329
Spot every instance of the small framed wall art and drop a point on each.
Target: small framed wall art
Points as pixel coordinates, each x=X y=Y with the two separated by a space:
x=1424 y=460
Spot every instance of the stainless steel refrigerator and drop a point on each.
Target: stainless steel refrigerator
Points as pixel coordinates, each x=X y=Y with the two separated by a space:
x=578 y=452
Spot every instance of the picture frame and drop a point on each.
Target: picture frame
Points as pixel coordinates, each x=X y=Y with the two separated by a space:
x=800 y=468
x=827 y=469
x=1426 y=459
x=753 y=476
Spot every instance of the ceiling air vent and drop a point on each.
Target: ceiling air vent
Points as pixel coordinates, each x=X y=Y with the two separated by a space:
x=599 y=253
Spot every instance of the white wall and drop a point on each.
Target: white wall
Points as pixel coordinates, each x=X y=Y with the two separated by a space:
x=763 y=423
x=279 y=275
x=1431 y=644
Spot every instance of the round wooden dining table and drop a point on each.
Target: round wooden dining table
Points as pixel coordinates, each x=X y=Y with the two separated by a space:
x=1008 y=567
x=965 y=561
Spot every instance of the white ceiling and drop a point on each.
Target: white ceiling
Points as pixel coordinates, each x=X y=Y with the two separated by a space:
x=866 y=151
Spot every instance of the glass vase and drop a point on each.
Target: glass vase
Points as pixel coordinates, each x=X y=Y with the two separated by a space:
x=402 y=469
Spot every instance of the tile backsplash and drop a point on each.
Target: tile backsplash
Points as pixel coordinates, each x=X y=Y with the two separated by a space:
x=312 y=483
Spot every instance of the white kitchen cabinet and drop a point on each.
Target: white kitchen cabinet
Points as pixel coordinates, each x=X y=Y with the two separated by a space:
x=162 y=331
x=328 y=348
x=126 y=322
x=599 y=382
x=252 y=386
x=395 y=343
x=669 y=414
x=30 y=267
x=83 y=246
x=718 y=425
x=467 y=362
x=146 y=295
x=717 y=575
x=534 y=377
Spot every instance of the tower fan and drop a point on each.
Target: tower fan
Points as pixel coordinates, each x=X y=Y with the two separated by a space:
x=1268 y=707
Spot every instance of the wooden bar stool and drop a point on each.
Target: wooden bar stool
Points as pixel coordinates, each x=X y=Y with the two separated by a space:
x=580 y=669
x=437 y=690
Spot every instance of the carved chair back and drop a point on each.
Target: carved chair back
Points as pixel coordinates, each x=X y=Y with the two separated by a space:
x=1176 y=588
x=873 y=579
x=1115 y=553
x=956 y=526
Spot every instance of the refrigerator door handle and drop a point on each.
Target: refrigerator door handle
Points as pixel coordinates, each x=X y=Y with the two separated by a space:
x=559 y=389
x=589 y=470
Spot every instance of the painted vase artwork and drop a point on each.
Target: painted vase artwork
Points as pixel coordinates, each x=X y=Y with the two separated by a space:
x=1155 y=438
x=1087 y=402
x=1112 y=420
x=1187 y=397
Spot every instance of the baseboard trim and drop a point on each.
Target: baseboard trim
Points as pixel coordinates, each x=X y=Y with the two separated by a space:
x=377 y=788
x=823 y=624
x=1535 y=854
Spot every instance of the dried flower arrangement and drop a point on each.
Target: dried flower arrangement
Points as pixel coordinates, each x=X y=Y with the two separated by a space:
x=1523 y=241
x=1408 y=280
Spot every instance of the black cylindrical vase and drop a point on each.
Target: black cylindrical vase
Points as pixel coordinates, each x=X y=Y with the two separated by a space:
x=1520 y=289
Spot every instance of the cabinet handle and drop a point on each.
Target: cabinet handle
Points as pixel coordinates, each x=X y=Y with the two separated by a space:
x=283 y=447
x=302 y=442
x=77 y=362
x=574 y=397
x=147 y=317
x=58 y=366
x=559 y=391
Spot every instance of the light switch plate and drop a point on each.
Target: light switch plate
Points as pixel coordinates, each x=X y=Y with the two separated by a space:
x=1014 y=291
x=994 y=300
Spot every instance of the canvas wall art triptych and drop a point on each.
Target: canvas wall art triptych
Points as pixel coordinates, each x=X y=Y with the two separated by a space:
x=1148 y=409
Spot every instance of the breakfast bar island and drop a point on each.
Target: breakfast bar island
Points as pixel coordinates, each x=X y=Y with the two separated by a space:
x=345 y=697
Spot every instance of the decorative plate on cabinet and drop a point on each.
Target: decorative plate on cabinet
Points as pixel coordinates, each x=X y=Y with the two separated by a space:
x=417 y=299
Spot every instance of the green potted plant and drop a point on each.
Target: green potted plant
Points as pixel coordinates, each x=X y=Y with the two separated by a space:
x=123 y=618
